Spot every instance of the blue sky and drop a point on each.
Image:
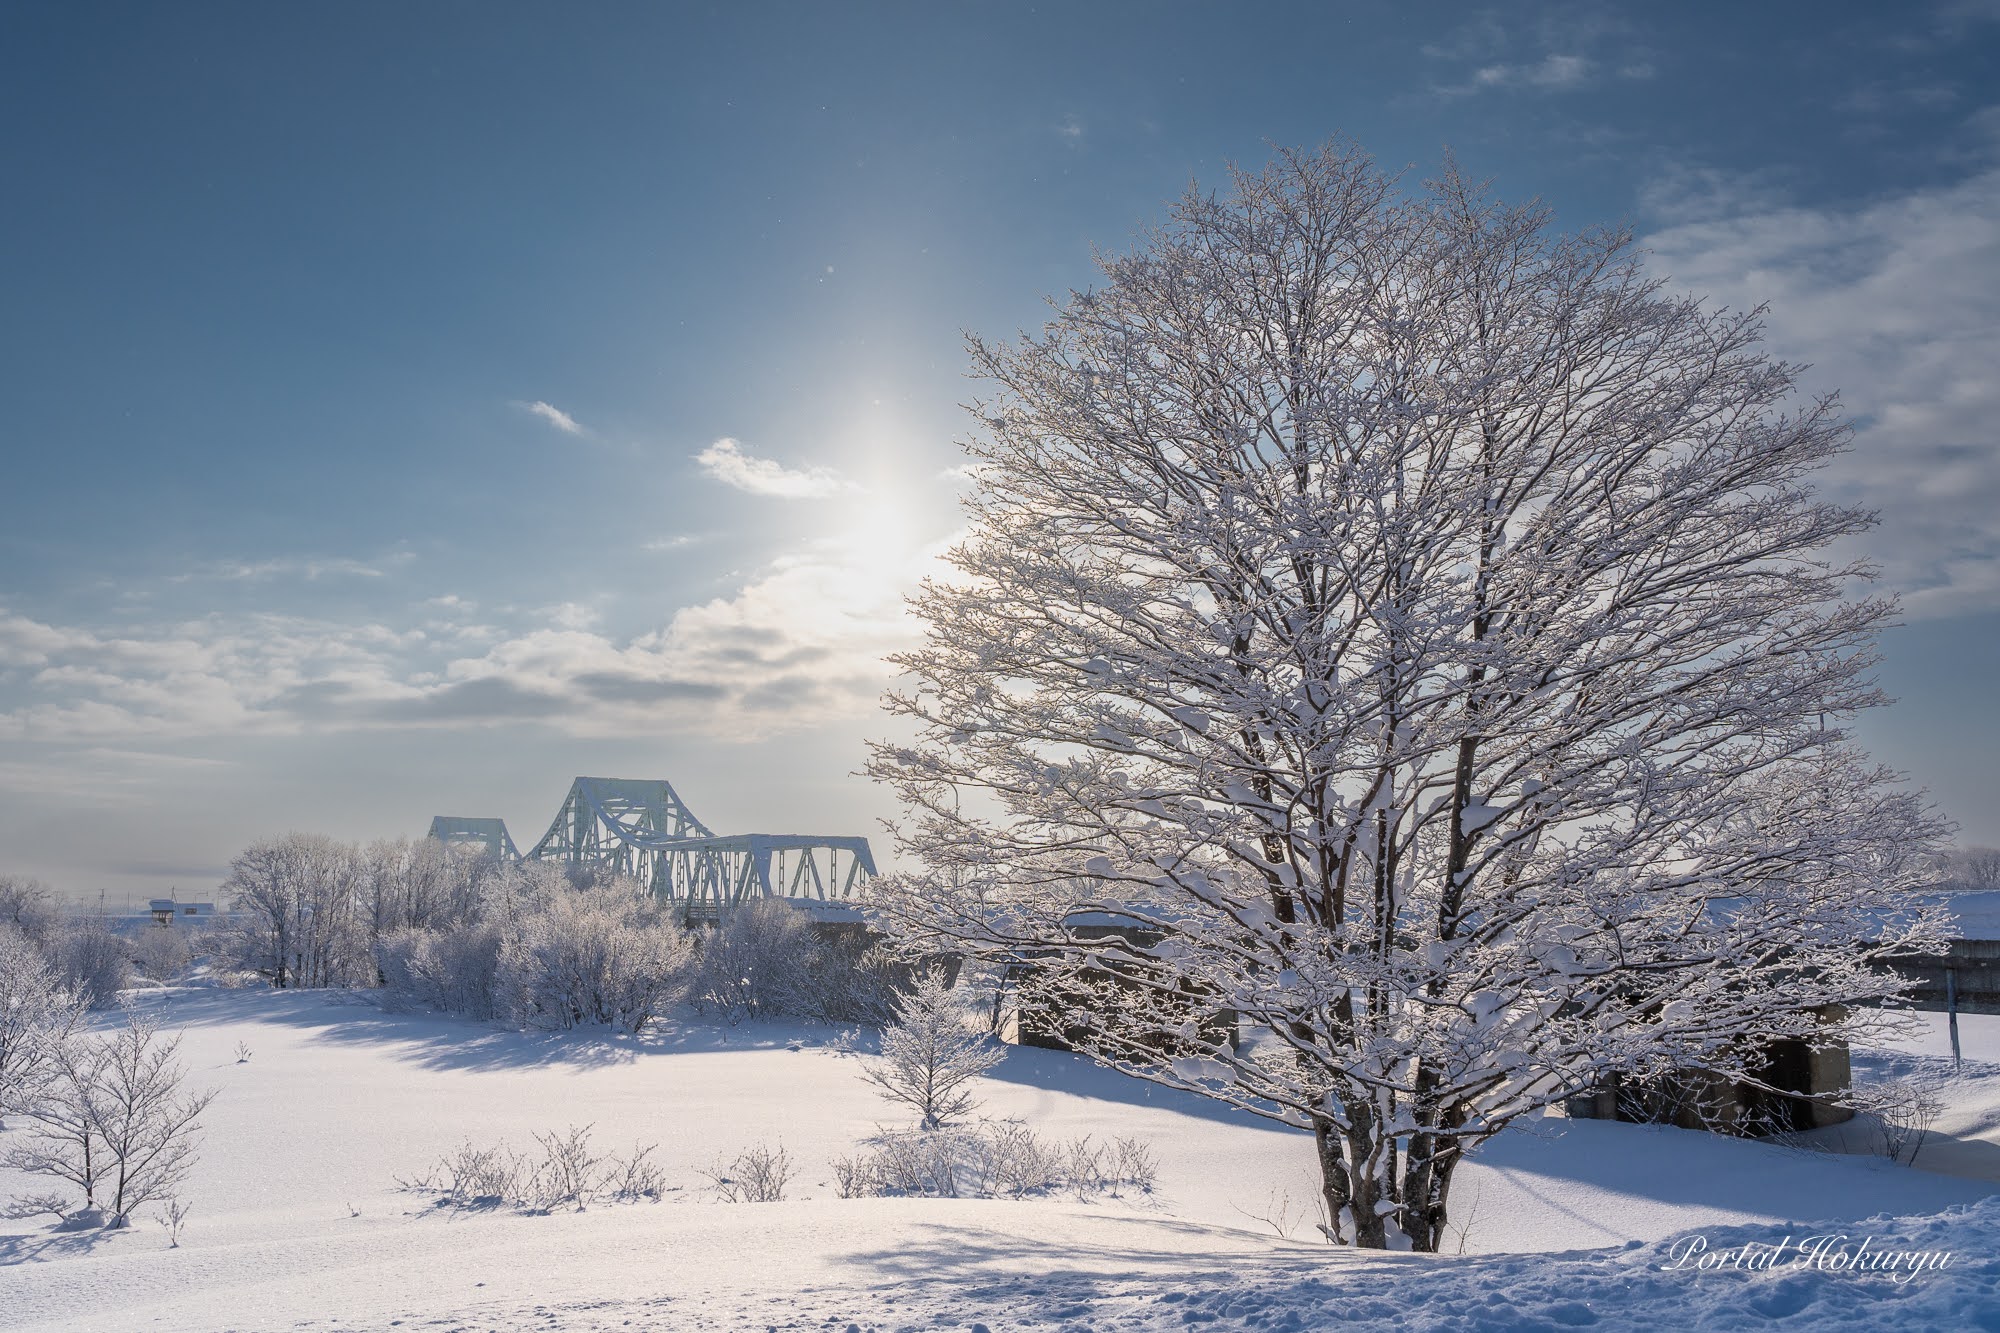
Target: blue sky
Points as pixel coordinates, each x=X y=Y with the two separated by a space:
x=407 y=408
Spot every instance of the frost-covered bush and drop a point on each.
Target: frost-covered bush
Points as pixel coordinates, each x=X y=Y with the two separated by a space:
x=566 y=1173
x=454 y=970
x=601 y=955
x=853 y=979
x=547 y=954
x=161 y=953
x=1905 y=1106
x=997 y=1159
x=756 y=962
x=91 y=959
x=767 y=959
x=757 y=1176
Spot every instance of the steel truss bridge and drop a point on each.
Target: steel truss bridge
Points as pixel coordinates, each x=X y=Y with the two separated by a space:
x=641 y=828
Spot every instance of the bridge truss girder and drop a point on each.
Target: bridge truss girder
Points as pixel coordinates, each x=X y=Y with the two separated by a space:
x=488 y=834
x=644 y=830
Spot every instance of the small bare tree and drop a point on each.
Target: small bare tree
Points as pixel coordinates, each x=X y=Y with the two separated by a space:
x=145 y=1118
x=64 y=1140
x=1905 y=1106
x=929 y=1055
x=113 y=1116
x=175 y=1216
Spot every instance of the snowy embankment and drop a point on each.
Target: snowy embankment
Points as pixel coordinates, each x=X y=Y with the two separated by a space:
x=298 y=1222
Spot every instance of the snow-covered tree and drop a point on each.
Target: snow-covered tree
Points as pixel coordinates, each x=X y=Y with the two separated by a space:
x=301 y=902
x=930 y=1056
x=421 y=884
x=28 y=905
x=143 y=1117
x=1419 y=626
x=64 y=1140
x=1979 y=867
x=37 y=1014
x=111 y=1117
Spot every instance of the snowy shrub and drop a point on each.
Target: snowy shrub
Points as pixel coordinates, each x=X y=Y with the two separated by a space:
x=602 y=955
x=929 y=1056
x=567 y=1172
x=1905 y=1106
x=91 y=960
x=768 y=959
x=471 y=1177
x=549 y=956
x=161 y=953
x=1020 y=1162
x=903 y=1163
x=630 y=1179
x=1131 y=1163
x=174 y=1216
x=1003 y=1159
x=453 y=970
x=757 y=1176
x=756 y=962
x=397 y=960
x=850 y=978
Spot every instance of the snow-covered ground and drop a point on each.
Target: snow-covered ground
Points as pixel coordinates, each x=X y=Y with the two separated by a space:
x=298 y=1222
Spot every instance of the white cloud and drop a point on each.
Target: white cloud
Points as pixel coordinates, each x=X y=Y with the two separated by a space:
x=1896 y=304
x=1681 y=192
x=800 y=644
x=1564 y=47
x=1552 y=71
x=572 y=615
x=311 y=570
x=726 y=462
x=554 y=415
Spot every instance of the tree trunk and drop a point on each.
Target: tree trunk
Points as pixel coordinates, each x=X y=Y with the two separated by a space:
x=1427 y=1189
x=1364 y=1186
x=1332 y=1176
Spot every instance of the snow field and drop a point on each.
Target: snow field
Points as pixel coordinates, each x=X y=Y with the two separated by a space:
x=298 y=1222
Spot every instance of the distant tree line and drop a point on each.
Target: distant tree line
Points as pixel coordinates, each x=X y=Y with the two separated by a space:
x=85 y=956
x=1969 y=868
x=529 y=942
